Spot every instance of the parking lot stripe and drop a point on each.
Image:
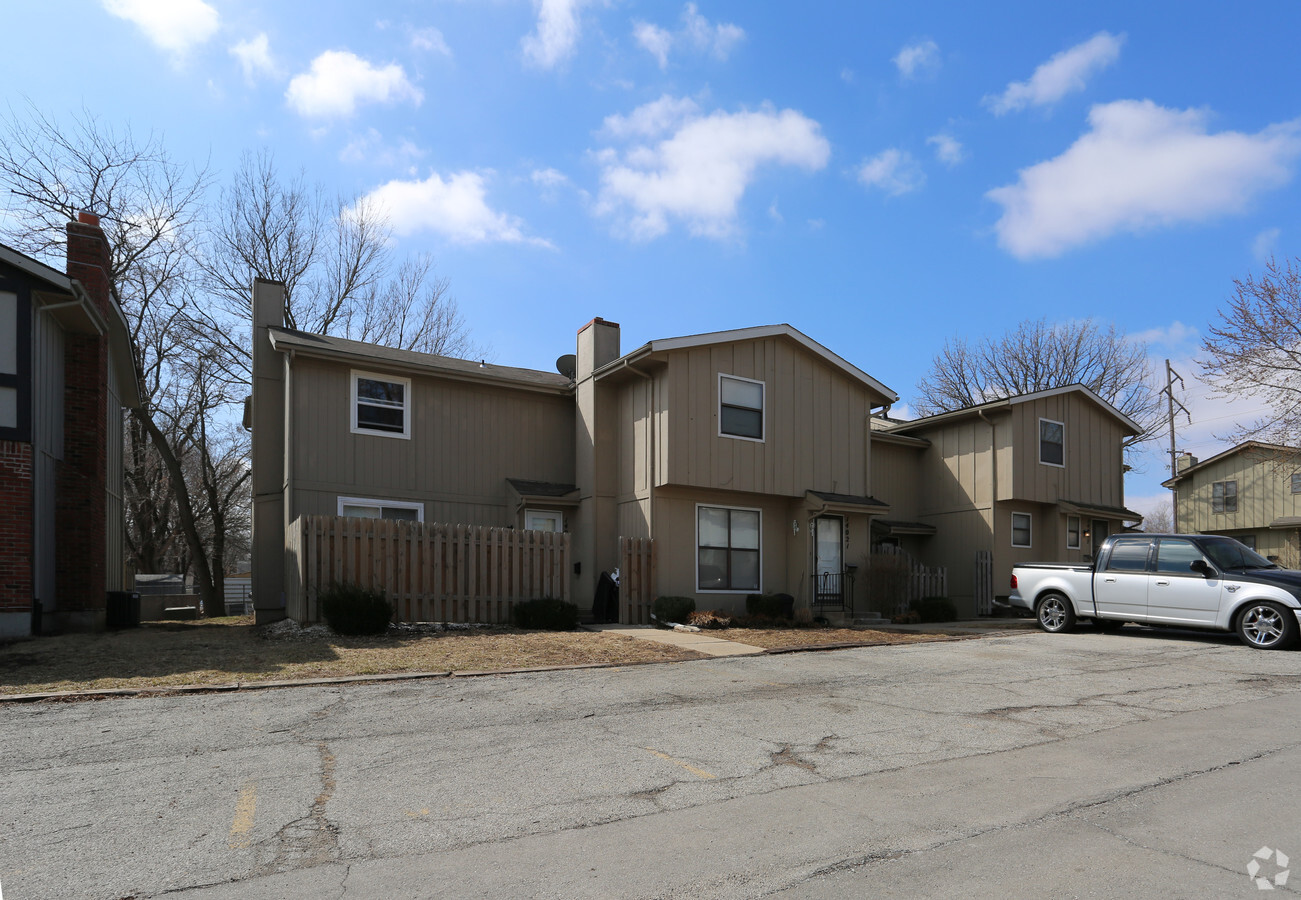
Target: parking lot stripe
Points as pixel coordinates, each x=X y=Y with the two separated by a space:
x=241 y=828
x=700 y=773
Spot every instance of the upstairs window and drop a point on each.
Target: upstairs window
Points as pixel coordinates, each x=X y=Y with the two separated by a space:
x=1052 y=449
x=1224 y=497
x=740 y=407
x=381 y=404
x=1296 y=482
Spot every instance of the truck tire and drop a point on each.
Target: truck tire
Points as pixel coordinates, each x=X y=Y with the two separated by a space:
x=1054 y=613
x=1264 y=625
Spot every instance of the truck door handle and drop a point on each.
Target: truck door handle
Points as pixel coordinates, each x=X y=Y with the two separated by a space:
x=1163 y=582
x=1109 y=580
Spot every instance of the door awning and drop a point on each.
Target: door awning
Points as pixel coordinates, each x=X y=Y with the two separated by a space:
x=846 y=503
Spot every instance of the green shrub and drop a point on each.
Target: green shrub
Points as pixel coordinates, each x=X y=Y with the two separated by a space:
x=935 y=609
x=672 y=609
x=545 y=614
x=350 y=609
x=772 y=606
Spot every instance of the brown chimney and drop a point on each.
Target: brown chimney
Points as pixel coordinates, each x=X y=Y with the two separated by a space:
x=88 y=259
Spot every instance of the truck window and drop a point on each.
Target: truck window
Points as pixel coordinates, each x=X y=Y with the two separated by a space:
x=1229 y=554
x=1129 y=555
x=1174 y=557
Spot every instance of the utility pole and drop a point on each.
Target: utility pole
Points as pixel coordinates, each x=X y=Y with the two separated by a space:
x=1171 y=376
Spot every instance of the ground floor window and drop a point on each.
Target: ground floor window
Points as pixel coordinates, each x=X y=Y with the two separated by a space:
x=1072 y=532
x=1248 y=539
x=727 y=549
x=544 y=520
x=381 y=509
x=1020 y=529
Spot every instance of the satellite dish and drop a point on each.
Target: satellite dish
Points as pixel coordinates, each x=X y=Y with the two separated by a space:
x=567 y=365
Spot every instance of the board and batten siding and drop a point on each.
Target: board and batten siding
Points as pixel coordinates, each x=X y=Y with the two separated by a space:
x=47 y=449
x=815 y=422
x=1264 y=492
x=1092 y=452
x=896 y=478
x=466 y=440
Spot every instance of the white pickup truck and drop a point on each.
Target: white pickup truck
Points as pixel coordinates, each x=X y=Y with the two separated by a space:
x=1183 y=580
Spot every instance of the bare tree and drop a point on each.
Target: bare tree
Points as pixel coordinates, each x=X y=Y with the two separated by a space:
x=335 y=260
x=1037 y=356
x=1255 y=350
x=1161 y=519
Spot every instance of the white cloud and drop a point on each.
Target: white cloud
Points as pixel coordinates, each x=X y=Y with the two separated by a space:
x=917 y=59
x=1141 y=166
x=254 y=57
x=173 y=25
x=1064 y=73
x=652 y=119
x=1262 y=248
x=698 y=166
x=430 y=39
x=847 y=75
x=696 y=32
x=947 y=149
x=893 y=171
x=456 y=208
x=371 y=148
x=549 y=178
x=654 y=40
x=339 y=81
x=1176 y=338
x=557 y=32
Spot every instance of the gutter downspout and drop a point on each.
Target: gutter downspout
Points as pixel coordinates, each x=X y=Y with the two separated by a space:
x=289 y=432
x=993 y=490
x=654 y=449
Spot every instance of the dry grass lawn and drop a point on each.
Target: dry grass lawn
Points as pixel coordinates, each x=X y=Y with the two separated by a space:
x=230 y=650
x=781 y=638
x=227 y=650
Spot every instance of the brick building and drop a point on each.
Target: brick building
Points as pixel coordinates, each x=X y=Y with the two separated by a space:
x=66 y=372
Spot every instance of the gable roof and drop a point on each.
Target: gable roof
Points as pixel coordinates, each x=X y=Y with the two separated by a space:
x=82 y=315
x=1008 y=402
x=364 y=354
x=748 y=334
x=1240 y=448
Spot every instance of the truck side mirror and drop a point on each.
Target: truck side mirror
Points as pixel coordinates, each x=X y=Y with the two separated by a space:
x=1200 y=567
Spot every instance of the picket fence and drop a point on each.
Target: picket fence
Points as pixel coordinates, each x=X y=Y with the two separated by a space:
x=922 y=581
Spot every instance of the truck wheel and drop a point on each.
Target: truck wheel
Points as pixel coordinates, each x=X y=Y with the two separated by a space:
x=1267 y=626
x=1055 y=613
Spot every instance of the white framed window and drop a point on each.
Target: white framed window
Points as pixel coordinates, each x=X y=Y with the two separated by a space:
x=1072 y=532
x=366 y=508
x=1296 y=482
x=381 y=404
x=729 y=553
x=1224 y=496
x=544 y=520
x=1052 y=443
x=740 y=407
x=1021 y=529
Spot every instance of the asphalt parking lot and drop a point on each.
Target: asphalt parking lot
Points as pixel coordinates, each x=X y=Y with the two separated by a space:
x=1130 y=764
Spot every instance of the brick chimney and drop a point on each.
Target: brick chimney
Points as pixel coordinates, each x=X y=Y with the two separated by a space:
x=81 y=506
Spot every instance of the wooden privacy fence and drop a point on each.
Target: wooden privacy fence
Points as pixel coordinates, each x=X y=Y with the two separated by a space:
x=430 y=572
x=915 y=581
x=636 y=580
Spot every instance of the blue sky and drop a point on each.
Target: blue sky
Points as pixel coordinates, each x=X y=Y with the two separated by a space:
x=881 y=176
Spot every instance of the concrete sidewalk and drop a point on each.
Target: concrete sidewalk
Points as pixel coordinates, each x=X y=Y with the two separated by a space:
x=700 y=641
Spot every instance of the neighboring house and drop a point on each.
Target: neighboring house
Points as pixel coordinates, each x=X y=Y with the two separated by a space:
x=1251 y=492
x=1036 y=477
x=747 y=455
x=66 y=372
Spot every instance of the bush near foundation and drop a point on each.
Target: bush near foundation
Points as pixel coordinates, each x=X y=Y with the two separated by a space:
x=545 y=614
x=935 y=609
x=350 y=609
x=673 y=609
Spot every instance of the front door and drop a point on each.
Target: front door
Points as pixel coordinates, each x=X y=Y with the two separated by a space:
x=1099 y=530
x=1179 y=594
x=829 y=558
